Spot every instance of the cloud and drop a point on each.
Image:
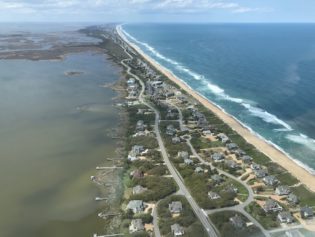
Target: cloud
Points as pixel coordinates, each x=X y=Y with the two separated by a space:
x=248 y=9
x=117 y=8
x=140 y=1
x=180 y=6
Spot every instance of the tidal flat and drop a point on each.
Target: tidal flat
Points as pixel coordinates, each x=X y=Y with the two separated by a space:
x=54 y=131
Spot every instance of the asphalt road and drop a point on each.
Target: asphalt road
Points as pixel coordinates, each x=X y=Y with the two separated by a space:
x=200 y=213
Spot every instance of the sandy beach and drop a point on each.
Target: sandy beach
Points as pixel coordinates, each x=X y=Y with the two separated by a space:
x=272 y=152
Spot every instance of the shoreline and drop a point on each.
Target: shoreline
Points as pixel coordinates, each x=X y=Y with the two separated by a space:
x=275 y=154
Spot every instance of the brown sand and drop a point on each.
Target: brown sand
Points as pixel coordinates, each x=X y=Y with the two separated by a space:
x=275 y=155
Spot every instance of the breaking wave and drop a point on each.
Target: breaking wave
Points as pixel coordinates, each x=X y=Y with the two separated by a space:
x=218 y=91
x=250 y=106
x=303 y=140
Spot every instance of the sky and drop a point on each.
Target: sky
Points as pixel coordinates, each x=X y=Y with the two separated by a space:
x=157 y=11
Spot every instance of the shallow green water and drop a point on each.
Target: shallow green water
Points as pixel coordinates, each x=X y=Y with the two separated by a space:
x=49 y=148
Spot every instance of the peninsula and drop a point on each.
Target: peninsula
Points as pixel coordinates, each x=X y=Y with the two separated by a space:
x=184 y=153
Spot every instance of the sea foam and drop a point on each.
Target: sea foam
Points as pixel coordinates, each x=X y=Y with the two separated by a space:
x=303 y=140
x=217 y=90
x=249 y=105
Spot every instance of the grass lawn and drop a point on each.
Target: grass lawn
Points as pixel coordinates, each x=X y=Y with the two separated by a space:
x=305 y=196
x=287 y=179
x=242 y=194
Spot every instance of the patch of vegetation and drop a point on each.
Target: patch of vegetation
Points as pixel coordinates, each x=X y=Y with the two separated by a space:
x=242 y=194
x=287 y=179
x=159 y=170
x=187 y=218
x=134 y=117
x=158 y=188
x=226 y=228
x=274 y=168
x=155 y=156
x=305 y=196
x=268 y=221
x=143 y=165
x=199 y=186
x=145 y=141
x=202 y=143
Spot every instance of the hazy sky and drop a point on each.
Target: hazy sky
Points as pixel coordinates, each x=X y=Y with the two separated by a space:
x=158 y=10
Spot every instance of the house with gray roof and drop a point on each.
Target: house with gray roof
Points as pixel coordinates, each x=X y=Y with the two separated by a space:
x=237 y=221
x=282 y=190
x=306 y=212
x=177 y=230
x=260 y=173
x=135 y=151
x=213 y=195
x=270 y=180
x=183 y=155
x=231 y=164
x=202 y=123
x=223 y=138
x=171 y=113
x=239 y=152
x=231 y=146
x=285 y=217
x=231 y=189
x=176 y=140
x=246 y=159
x=292 y=198
x=272 y=206
x=136 y=225
x=136 y=206
x=170 y=130
x=217 y=157
x=140 y=126
x=206 y=132
x=138 y=189
x=199 y=170
x=255 y=166
x=175 y=207
x=188 y=162
x=217 y=178
x=131 y=81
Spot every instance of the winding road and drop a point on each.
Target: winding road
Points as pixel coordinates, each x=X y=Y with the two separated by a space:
x=199 y=212
x=240 y=207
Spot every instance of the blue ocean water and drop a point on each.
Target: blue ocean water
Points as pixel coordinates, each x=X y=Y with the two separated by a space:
x=262 y=74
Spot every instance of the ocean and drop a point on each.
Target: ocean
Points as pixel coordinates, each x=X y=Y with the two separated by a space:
x=262 y=74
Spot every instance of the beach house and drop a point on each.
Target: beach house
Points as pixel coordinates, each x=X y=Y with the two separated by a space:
x=270 y=180
x=177 y=230
x=183 y=154
x=282 y=190
x=175 y=207
x=217 y=157
x=271 y=206
x=138 y=189
x=285 y=217
x=237 y=221
x=213 y=195
x=306 y=212
x=137 y=206
x=136 y=225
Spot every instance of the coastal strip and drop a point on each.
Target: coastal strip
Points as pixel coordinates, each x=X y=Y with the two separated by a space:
x=269 y=150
